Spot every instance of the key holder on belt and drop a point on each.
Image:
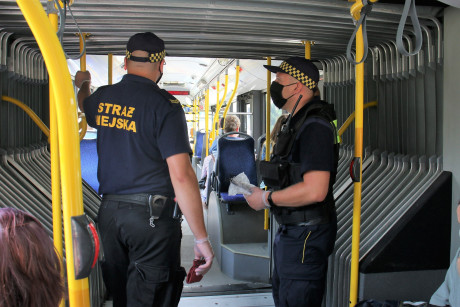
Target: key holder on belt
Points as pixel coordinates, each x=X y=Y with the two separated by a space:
x=157 y=203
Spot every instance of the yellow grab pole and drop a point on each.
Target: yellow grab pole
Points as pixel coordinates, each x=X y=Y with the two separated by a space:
x=237 y=79
x=213 y=127
x=83 y=57
x=72 y=198
x=206 y=120
x=267 y=133
x=55 y=169
x=110 y=67
x=268 y=111
x=307 y=49
x=219 y=106
x=356 y=230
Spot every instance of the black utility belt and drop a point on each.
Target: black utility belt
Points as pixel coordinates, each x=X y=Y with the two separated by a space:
x=315 y=215
x=159 y=205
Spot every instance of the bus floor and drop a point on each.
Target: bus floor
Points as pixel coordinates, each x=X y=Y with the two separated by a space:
x=216 y=288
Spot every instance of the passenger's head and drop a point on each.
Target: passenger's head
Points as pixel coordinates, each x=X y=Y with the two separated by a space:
x=294 y=77
x=232 y=123
x=145 y=54
x=277 y=128
x=30 y=271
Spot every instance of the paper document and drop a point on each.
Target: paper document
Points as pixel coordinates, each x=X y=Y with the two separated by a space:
x=240 y=185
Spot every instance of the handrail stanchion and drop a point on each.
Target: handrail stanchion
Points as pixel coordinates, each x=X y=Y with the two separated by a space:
x=206 y=120
x=237 y=79
x=55 y=163
x=72 y=198
x=219 y=106
x=267 y=134
x=359 y=98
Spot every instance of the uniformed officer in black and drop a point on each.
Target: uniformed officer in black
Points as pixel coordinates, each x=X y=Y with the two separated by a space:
x=144 y=163
x=300 y=173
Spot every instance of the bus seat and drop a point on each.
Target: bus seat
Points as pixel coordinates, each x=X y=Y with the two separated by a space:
x=197 y=159
x=235 y=155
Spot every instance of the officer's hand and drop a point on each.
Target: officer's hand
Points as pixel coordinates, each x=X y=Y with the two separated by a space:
x=203 y=249
x=81 y=77
x=257 y=200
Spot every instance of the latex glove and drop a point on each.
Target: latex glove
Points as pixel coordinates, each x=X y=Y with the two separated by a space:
x=82 y=77
x=257 y=200
x=203 y=250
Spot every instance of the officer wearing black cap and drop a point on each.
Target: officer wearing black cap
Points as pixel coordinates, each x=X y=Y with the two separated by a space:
x=300 y=175
x=144 y=164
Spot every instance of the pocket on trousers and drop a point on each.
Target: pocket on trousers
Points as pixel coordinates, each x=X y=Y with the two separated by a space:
x=153 y=274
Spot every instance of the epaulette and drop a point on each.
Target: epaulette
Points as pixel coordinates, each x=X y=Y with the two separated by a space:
x=169 y=97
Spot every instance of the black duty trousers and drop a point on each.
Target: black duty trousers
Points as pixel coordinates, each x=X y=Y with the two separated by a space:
x=142 y=263
x=300 y=255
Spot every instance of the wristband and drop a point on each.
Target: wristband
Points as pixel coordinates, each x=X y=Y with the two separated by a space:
x=270 y=200
x=200 y=241
x=264 y=199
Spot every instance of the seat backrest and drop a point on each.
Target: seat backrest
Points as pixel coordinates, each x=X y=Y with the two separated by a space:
x=235 y=155
x=199 y=140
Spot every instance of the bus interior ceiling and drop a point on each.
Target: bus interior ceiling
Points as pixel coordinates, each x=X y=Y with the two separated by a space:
x=404 y=182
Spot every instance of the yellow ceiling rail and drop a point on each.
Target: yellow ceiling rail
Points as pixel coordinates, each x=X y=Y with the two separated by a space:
x=237 y=79
x=72 y=198
x=350 y=118
x=31 y=114
x=55 y=167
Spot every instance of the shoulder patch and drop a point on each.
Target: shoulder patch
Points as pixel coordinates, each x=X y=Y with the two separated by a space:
x=169 y=97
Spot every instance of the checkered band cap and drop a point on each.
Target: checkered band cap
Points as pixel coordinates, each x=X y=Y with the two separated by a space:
x=153 y=57
x=300 y=68
x=148 y=42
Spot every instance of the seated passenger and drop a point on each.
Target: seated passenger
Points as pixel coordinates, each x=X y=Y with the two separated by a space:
x=30 y=270
x=232 y=123
x=273 y=135
x=448 y=293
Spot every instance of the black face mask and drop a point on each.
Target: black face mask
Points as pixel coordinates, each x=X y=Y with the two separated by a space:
x=276 y=90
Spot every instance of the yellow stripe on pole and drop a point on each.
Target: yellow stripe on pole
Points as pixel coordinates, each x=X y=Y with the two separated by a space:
x=72 y=198
x=356 y=229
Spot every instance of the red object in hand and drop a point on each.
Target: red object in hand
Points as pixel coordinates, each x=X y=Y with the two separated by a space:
x=191 y=276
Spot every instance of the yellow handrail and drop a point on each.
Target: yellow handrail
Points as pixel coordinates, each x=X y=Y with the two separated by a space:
x=110 y=68
x=237 y=79
x=357 y=189
x=267 y=134
x=206 y=120
x=350 y=118
x=218 y=107
x=82 y=124
x=31 y=114
x=55 y=168
x=72 y=198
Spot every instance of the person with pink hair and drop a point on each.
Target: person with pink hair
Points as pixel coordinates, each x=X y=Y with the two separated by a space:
x=30 y=270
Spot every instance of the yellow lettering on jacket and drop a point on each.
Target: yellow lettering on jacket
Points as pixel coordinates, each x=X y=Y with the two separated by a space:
x=111 y=115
